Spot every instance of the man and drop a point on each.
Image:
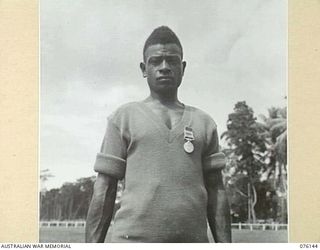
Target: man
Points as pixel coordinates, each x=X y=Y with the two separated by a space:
x=168 y=153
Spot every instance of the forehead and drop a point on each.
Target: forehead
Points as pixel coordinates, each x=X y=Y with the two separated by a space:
x=163 y=49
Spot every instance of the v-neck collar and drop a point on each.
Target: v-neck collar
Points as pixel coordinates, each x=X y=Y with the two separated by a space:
x=177 y=129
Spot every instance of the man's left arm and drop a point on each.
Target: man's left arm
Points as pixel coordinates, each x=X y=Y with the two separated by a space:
x=218 y=210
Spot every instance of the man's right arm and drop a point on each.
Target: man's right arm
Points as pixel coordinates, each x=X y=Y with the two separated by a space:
x=101 y=208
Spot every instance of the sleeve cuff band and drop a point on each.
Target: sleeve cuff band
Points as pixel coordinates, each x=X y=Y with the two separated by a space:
x=214 y=162
x=110 y=165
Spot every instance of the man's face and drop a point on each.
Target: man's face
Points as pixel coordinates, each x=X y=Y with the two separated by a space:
x=163 y=67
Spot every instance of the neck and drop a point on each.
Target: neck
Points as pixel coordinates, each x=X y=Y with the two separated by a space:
x=167 y=99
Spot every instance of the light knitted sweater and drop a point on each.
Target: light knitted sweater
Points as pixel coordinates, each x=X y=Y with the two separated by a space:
x=165 y=199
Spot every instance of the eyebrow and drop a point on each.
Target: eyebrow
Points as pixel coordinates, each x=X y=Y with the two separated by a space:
x=160 y=56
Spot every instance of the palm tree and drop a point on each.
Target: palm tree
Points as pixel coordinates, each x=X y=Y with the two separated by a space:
x=276 y=127
x=44 y=176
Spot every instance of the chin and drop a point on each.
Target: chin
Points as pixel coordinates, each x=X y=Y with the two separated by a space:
x=167 y=89
x=167 y=84
x=163 y=87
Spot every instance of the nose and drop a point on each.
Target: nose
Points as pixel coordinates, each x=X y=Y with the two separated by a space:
x=164 y=67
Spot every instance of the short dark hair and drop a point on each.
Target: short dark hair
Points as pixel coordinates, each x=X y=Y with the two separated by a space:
x=162 y=35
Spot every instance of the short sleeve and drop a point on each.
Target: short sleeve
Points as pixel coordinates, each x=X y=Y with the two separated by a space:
x=112 y=157
x=212 y=158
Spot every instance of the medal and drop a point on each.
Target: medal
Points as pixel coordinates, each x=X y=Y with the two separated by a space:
x=188 y=136
x=188 y=147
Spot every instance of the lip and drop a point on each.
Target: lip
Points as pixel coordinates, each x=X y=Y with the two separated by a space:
x=164 y=78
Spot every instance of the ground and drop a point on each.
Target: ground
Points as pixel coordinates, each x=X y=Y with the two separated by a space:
x=76 y=235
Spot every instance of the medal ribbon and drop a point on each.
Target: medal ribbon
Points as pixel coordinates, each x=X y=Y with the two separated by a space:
x=188 y=134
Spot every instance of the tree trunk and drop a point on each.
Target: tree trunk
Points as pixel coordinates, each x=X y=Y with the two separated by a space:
x=249 y=205
x=254 y=202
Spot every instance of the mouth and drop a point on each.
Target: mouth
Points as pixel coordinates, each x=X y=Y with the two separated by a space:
x=165 y=78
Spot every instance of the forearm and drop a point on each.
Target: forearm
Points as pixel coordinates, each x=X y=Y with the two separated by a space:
x=219 y=215
x=100 y=209
x=218 y=210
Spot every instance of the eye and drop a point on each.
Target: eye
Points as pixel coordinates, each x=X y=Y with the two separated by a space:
x=173 y=60
x=155 y=60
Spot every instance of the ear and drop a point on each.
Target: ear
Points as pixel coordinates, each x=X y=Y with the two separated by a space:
x=184 y=64
x=143 y=69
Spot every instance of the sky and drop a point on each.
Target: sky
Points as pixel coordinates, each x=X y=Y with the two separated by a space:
x=90 y=54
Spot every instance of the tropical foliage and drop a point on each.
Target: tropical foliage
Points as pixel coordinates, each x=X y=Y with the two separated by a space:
x=70 y=202
x=255 y=175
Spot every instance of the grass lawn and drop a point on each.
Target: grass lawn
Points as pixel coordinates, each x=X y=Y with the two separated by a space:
x=76 y=235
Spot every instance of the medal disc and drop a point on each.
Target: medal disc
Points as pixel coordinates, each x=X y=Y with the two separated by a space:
x=188 y=147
